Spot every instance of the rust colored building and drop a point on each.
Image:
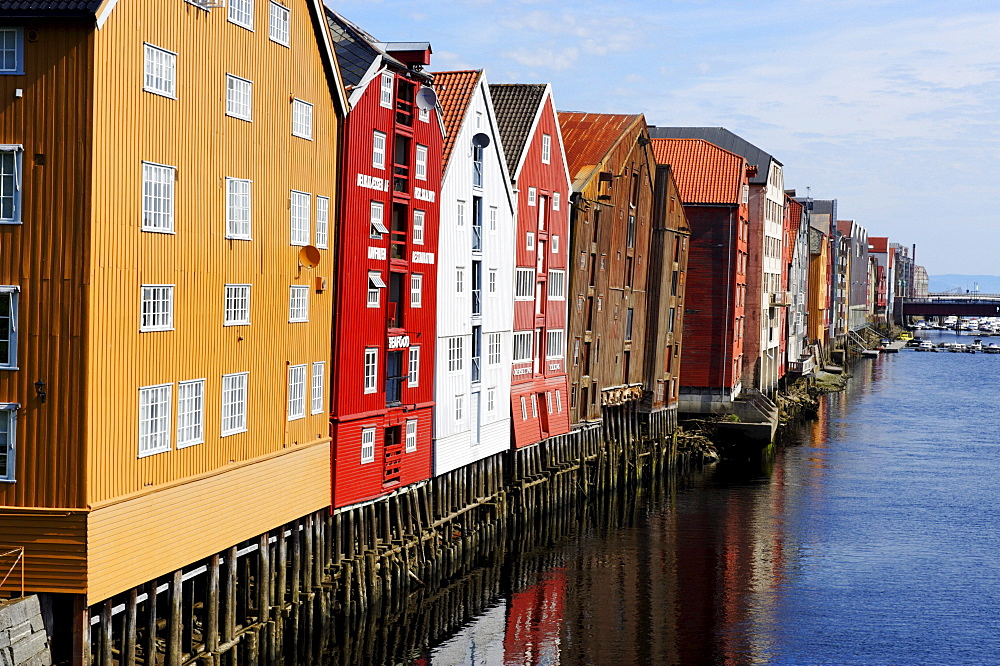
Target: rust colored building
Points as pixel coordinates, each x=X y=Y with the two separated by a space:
x=384 y=324
x=713 y=187
x=613 y=171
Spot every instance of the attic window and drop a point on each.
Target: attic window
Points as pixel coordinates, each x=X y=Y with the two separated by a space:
x=386 y=91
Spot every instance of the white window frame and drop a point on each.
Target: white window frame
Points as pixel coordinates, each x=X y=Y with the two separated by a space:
x=523 y=346
x=460 y=218
x=378 y=149
x=154 y=429
x=240 y=12
x=529 y=241
x=299 y=222
x=375 y=287
x=154 y=319
x=413 y=367
x=322 y=222
x=234 y=396
x=555 y=339
x=367 y=445
x=17 y=50
x=491 y=400
x=558 y=400
x=532 y=196
x=279 y=24
x=493 y=219
x=376 y=216
x=493 y=343
x=13 y=293
x=460 y=408
x=534 y=405
x=555 y=200
x=239 y=208
x=459 y=279
x=8 y=413
x=557 y=285
x=492 y=281
x=159 y=73
x=456 y=354
x=302 y=119
x=297 y=391
x=236 y=305
x=10 y=182
x=524 y=409
x=524 y=284
x=411 y=435
x=555 y=244
x=418 y=227
x=371 y=370
x=318 y=379
x=546 y=148
x=386 y=85
x=416 y=290
x=158 y=187
x=420 y=163
x=190 y=413
x=298 y=303
x=239 y=97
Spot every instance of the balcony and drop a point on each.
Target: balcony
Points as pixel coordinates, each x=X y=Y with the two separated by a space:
x=400 y=178
x=477 y=168
x=477 y=238
x=397 y=247
x=781 y=299
x=476 y=369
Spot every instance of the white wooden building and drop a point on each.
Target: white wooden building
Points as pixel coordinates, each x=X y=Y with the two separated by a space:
x=475 y=302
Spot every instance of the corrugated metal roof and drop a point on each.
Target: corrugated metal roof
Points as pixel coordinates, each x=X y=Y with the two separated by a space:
x=723 y=138
x=49 y=7
x=454 y=90
x=705 y=173
x=588 y=137
x=355 y=52
x=516 y=105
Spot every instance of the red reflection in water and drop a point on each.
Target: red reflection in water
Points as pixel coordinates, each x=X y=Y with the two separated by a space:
x=534 y=621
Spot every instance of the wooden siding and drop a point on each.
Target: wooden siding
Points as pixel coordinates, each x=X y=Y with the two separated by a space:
x=551 y=374
x=47 y=257
x=194 y=134
x=143 y=537
x=55 y=549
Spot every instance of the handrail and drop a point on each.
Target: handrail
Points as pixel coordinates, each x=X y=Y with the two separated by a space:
x=19 y=559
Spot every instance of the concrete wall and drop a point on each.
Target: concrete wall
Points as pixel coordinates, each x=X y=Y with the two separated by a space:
x=23 y=640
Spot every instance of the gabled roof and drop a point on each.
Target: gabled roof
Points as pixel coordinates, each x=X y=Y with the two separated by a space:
x=454 y=91
x=517 y=105
x=723 y=138
x=795 y=210
x=705 y=173
x=355 y=50
x=49 y=8
x=878 y=244
x=589 y=137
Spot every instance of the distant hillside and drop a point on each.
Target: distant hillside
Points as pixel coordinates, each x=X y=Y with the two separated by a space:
x=988 y=284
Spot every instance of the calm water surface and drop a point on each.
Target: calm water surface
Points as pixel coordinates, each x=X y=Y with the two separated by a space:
x=873 y=537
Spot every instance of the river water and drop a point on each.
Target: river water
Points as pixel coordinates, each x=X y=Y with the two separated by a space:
x=871 y=537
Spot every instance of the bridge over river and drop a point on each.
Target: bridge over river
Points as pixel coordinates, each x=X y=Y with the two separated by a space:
x=943 y=305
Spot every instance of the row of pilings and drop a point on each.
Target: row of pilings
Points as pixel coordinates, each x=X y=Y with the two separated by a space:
x=378 y=582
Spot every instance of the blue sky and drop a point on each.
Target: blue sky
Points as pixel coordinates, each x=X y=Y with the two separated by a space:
x=890 y=107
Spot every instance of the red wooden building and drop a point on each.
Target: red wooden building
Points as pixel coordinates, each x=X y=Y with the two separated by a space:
x=384 y=318
x=713 y=186
x=532 y=142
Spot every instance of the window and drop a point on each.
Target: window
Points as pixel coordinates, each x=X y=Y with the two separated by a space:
x=318 y=372
x=425 y=115
x=629 y=317
x=557 y=285
x=154 y=419
x=8 y=439
x=413 y=374
x=378 y=150
x=411 y=435
x=416 y=290
x=420 y=163
x=491 y=400
x=160 y=71
x=529 y=241
x=234 y=403
x=367 y=445
x=241 y=13
x=523 y=342
x=554 y=345
x=375 y=287
x=555 y=201
x=558 y=400
x=157 y=313
x=555 y=245
x=296 y=392
x=238 y=208
x=298 y=303
x=493 y=280
x=459 y=280
x=8 y=328
x=385 y=99
x=418 y=227
x=456 y=354
x=461 y=214
x=377 y=216
x=11 y=52
x=302 y=119
x=371 y=369
x=524 y=409
x=10 y=184
x=493 y=349
x=322 y=221
x=278 y=28
x=546 y=148
x=524 y=285
x=239 y=97
x=532 y=194
x=299 y=218
x=157 y=195
x=190 y=413
x=493 y=219
x=534 y=405
x=459 y=408
x=237 y=305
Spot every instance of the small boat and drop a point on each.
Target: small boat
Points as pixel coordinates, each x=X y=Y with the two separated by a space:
x=991 y=348
x=956 y=347
x=926 y=346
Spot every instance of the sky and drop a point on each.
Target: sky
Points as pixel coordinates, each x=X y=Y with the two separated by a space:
x=890 y=107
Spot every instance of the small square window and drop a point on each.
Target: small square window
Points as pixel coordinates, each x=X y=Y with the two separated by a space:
x=157 y=308
x=554 y=345
x=241 y=13
x=377 y=216
x=367 y=445
x=523 y=342
x=154 y=419
x=375 y=287
x=557 y=285
x=296 y=392
x=190 y=413
x=298 y=304
x=239 y=97
x=237 y=305
x=160 y=71
x=524 y=285
x=302 y=119
x=234 y=403
x=278 y=28
x=238 y=208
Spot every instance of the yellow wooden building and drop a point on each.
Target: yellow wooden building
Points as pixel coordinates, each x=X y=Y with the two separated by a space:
x=167 y=189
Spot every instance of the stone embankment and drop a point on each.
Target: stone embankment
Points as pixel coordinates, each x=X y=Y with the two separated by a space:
x=23 y=639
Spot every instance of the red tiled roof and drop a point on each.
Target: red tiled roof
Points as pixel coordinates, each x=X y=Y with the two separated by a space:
x=589 y=137
x=705 y=173
x=795 y=215
x=878 y=243
x=454 y=91
x=845 y=227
